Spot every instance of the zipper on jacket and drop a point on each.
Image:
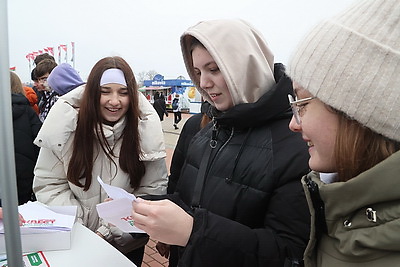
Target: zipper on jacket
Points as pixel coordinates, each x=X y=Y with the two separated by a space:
x=230 y=178
x=319 y=207
x=220 y=149
x=205 y=167
x=214 y=134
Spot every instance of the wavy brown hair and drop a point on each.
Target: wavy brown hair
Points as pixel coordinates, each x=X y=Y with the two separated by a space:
x=89 y=135
x=16 y=84
x=44 y=66
x=358 y=148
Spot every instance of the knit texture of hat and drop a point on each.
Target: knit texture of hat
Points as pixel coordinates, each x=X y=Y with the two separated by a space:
x=352 y=63
x=64 y=78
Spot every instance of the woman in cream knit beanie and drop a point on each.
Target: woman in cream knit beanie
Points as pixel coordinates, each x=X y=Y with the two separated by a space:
x=346 y=75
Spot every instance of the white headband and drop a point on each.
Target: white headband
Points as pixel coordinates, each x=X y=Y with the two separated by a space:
x=113 y=76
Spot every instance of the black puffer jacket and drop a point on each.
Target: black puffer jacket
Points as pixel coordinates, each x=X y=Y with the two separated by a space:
x=251 y=206
x=191 y=127
x=26 y=125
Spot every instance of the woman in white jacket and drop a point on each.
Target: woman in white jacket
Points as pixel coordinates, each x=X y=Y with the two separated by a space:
x=105 y=128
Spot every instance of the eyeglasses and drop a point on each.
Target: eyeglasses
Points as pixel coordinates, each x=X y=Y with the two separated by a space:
x=298 y=105
x=42 y=79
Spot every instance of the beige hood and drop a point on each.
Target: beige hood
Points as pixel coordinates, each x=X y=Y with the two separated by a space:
x=242 y=55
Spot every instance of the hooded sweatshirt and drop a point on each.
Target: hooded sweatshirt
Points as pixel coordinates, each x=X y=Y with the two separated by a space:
x=241 y=54
x=241 y=176
x=64 y=78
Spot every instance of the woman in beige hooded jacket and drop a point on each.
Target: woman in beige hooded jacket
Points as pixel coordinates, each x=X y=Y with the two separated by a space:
x=107 y=129
x=239 y=200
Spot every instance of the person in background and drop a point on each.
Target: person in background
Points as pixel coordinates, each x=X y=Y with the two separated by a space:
x=162 y=96
x=159 y=105
x=346 y=106
x=108 y=129
x=63 y=79
x=176 y=109
x=26 y=125
x=42 y=57
x=31 y=95
x=49 y=97
x=35 y=86
x=239 y=200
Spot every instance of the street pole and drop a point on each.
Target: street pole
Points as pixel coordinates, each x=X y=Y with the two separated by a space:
x=8 y=181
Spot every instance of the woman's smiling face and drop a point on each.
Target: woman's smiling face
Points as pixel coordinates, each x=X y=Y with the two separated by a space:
x=114 y=102
x=318 y=127
x=211 y=79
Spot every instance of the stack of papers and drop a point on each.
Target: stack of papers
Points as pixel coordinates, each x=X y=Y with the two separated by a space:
x=39 y=218
x=44 y=227
x=118 y=211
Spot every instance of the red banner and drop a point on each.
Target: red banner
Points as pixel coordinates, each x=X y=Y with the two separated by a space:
x=51 y=50
x=29 y=56
x=63 y=47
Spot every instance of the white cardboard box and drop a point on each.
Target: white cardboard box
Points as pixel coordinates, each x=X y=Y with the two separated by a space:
x=46 y=241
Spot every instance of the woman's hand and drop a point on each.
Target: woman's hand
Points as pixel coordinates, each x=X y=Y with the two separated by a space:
x=107 y=199
x=20 y=218
x=163 y=220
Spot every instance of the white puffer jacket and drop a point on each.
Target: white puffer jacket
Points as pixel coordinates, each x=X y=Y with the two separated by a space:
x=56 y=139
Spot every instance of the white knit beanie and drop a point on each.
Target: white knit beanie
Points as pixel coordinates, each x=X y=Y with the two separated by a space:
x=352 y=63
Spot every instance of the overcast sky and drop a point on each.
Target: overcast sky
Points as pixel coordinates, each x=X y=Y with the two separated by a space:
x=146 y=32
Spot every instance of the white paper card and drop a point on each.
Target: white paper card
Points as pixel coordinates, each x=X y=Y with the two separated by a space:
x=115 y=192
x=117 y=211
x=38 y=218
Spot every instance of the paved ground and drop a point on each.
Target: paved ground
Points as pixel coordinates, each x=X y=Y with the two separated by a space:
x=151 y=257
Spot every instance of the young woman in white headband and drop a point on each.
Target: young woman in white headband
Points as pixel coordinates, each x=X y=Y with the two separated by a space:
x=105 y=128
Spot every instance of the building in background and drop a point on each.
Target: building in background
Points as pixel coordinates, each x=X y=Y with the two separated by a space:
x=191 y=98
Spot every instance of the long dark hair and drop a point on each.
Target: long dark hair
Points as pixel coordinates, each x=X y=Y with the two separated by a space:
x=89 y=135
